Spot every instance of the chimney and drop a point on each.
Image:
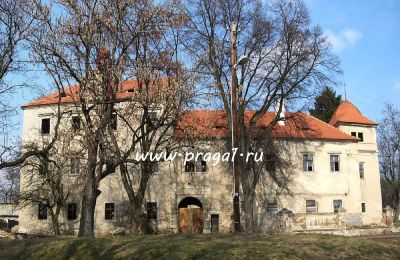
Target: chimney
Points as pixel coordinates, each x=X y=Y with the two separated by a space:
x=281 y=115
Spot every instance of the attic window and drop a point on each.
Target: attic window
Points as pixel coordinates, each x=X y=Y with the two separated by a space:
x=130 y=90
x=354 y=134
x=219 y=127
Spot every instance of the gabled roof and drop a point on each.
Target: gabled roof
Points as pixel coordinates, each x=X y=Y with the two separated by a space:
x=348 y=113
x=71 y=93
x=214 y=124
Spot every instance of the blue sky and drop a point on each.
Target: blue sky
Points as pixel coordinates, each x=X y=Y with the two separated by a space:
x=365 y=34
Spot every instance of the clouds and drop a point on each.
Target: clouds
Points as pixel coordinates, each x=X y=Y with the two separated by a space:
x=345 y=38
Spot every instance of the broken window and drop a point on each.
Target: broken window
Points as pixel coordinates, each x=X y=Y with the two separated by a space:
x=76 y=123
x=109 y=211
x=42 y=211
x=46 y=126
x=151 y=210
x=311 y=206
x=71 y=211
x=336 y=205
x=361 y=170
x=334 y=163
x=307 y=162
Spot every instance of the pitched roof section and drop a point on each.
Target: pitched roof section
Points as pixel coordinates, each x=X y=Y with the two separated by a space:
x=348 y=113
x=214 y=124
x=71 y=94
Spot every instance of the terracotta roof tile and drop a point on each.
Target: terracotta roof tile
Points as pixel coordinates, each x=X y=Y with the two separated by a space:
x=214 y=123
x=72 y=94
x=348 y=113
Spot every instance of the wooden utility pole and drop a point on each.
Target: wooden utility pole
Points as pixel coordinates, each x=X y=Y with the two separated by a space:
x=234 y=108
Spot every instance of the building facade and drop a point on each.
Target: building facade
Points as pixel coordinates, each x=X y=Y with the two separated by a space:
x=335 y=179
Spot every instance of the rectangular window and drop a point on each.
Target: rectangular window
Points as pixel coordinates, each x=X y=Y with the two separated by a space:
x=151 y=210
x=42 y=211
x=45 y=126
x=363 y=207
x=307 y=162
x=270 y=162
x=336 y=205
x=76 y=123
x=361 y=137
x=189 y=166
x=272 y=207
x=201 y=165
x=361 y=170
x=334 y=163
x=311 y=206
x=114 y=121
x=153 y=118
x=354 y=134
x=71 y=211
x=75 y=165
x=214 y=223
x=109 y=210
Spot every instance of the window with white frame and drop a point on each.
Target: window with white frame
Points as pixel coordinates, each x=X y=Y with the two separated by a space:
x=311 y=206
x=335 y=162
x=308 y=165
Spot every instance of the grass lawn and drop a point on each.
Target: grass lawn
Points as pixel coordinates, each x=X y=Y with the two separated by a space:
x=256 y=246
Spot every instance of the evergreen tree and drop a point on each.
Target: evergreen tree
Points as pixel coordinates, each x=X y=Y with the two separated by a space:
x=325 y=104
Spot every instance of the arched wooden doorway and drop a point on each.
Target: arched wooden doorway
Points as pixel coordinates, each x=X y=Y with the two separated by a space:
x=190 y=218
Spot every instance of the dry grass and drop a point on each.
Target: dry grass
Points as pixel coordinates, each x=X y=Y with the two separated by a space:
x=256 y=246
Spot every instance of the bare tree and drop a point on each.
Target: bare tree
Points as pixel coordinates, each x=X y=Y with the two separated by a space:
x=9 y=185
x=96 y=46
x=389 y=153
x=287 y=58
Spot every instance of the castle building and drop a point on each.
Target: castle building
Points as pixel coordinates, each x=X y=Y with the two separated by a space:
x=335 y=177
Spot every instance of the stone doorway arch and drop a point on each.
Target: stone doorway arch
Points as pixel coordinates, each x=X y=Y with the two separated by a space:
x=190 y=215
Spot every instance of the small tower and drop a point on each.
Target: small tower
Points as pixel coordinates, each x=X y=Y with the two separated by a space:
x=350 y=120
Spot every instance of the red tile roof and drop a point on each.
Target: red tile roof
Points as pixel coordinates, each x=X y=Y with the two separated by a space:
x=72 y=94
x=348 y=113
x=213 y=123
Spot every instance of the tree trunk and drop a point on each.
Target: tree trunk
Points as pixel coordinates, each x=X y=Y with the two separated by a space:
x=89 y=196
x=54 y=221
x=135 y=220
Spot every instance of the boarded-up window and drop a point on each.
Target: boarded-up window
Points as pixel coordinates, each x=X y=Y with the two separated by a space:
x=311 y=206
x=72 y=210
x=151 y=210
x=109 y=211
x=42 y=211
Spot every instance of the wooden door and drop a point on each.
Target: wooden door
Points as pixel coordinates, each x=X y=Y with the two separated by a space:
x=190 y=220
